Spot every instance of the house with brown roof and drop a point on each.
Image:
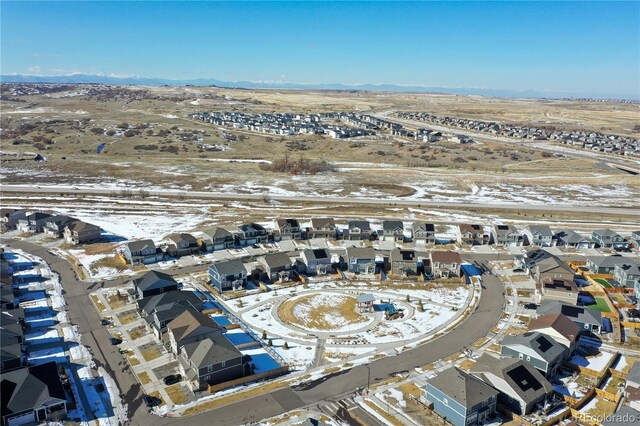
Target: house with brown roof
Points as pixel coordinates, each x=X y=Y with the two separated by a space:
x=80 y=232
x=472 y=234
x=322 y=227
x=287 y=229
x=560 y=328
x=182 y=244
x=205 y=355
x=565 y=291
x=445 y=264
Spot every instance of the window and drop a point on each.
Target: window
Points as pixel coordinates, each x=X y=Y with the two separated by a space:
x=209 y=368
x=223 y=363
x=206 y=377
x=521 y=356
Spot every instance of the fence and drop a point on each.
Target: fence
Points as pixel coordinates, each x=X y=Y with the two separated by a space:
x=247 y=379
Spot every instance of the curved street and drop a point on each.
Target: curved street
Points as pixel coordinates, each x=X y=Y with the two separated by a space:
x=333 y=386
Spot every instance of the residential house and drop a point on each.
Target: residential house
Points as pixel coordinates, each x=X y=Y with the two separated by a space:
x=626 y=274
x=80 y=232
x=317 y=261
x=461 y=398
x=206 y=357
x=288 y=229
x=505 y=235
x=403 y=262
x=33 y=395
x=560 y=328
x=277 y=267
x=569 y=238
x=182 y=245
x=142 y=252
x=217 y=239
x=251 y=233
x=54 y=225
x=12 y=353
x=544 y=265
x=635 y=239
x=322 y=227
x=522 y=387
x=358 y=230
x=228 y=275
x=538 y=235
x=445 y=264
x=587 y=320
x=608 y=239
x=159 y=310
x=7 y=298
x=392 y=230
x=33 y=223
x=535 y=348
x=472 y=235
x=9 y=218
x=361 y=260
x=558 y=289
x=606 y=264
x=632 y=390
x=424 y=233
x=152 y=283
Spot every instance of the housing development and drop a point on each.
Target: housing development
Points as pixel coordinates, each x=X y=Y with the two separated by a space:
x=319 y=213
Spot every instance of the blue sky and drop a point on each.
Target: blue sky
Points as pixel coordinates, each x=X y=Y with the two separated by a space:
x=579 y=48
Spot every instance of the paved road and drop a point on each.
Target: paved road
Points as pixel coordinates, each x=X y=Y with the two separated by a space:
x=333 y=200
x=95 y=337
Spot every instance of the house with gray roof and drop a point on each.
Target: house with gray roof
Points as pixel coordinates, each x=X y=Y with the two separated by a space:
x=538 y=235
x=505 y=235
x=392 y=230
x=154 y=282
x=288 y=229
x=424 y=233
x=606 y=264
x=9 y=218
x=569 y=238
x=217 y=239
x=12 y=352
x=361 y=260
x=54 y=225
x=33 y=395
x=635 y=239
x=211 y=361
x=608 y=239
x=632 y=390
x=535 y=348
x=228 y=275
x=472 y=234
x=358 y=230
x=33 y=223
x=403 y=262
x=316 y=261
x=461 y=398
x=626 y=274
x=587 y=320
x=565 y=291
x=277 y=267
x=251 y=233
x=142 y=252
x=523 y=389
x=159 y=310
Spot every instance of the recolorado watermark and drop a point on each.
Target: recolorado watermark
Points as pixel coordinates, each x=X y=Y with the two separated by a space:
x=618 y=418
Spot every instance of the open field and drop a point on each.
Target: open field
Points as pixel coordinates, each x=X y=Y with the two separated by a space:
x=145 y=129
x=320 y=312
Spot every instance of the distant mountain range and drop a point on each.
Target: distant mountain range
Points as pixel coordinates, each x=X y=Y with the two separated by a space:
x=145 y=81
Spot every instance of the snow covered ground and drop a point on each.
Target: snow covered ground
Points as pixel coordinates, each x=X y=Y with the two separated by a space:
x=597 y=363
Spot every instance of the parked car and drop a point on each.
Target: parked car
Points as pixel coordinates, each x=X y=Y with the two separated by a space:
x=151 y=401
x=172 y=379
x=105 y=321
x=530 y=306
x=115 y=340
x=518 y=270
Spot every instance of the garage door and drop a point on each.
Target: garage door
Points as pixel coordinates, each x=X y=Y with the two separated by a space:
x=22 y=420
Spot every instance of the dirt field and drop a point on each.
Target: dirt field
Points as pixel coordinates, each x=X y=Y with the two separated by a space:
x=308 y=312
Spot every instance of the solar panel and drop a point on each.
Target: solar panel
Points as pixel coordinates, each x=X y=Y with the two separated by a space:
x=319 y=253
x=544 y=344
x=524 y=379
x=571 y=311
